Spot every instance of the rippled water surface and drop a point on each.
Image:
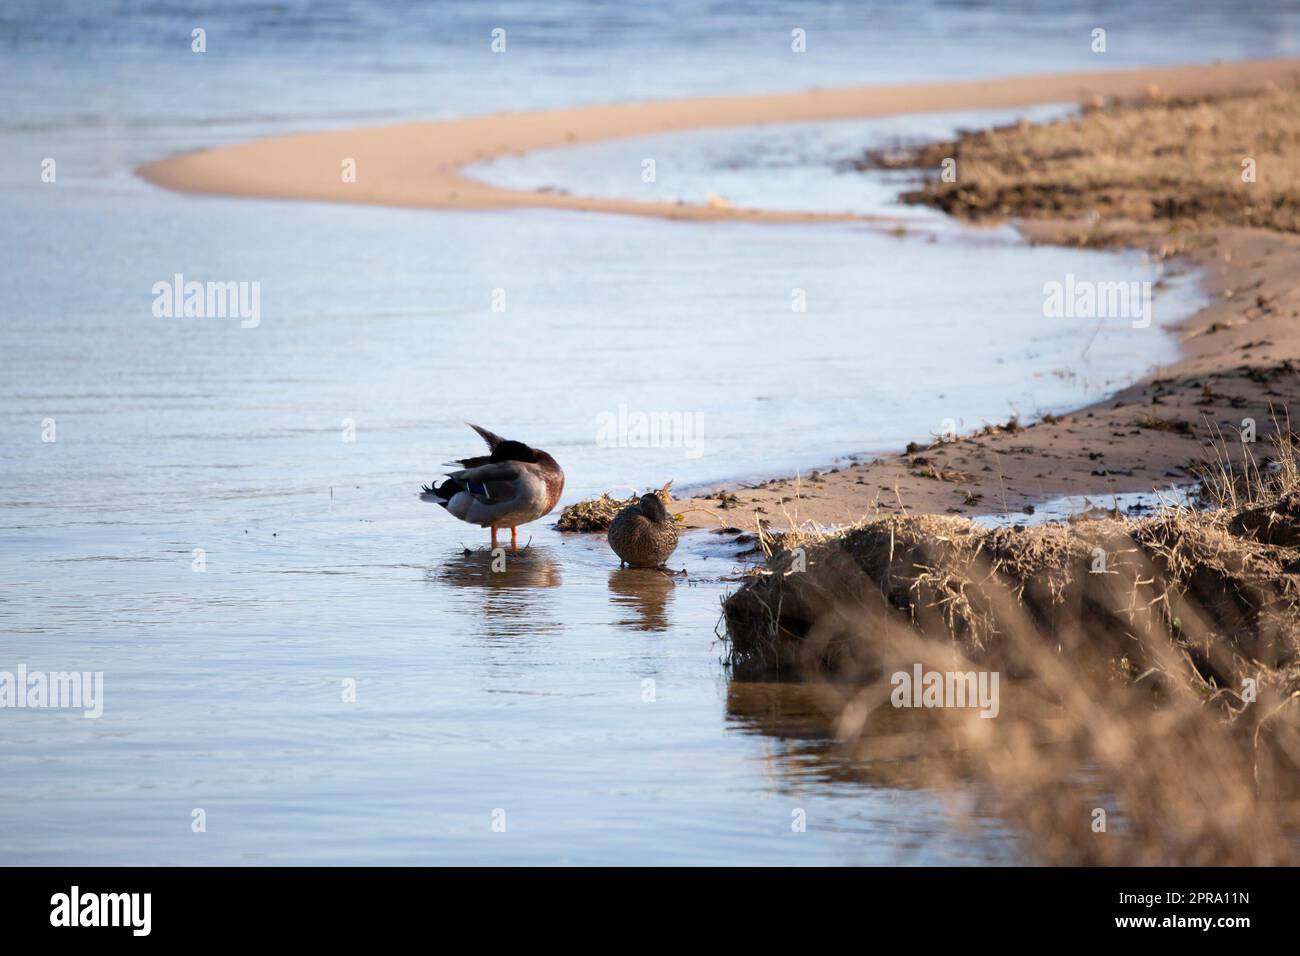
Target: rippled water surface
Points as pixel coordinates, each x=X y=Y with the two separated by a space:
x=589 y=704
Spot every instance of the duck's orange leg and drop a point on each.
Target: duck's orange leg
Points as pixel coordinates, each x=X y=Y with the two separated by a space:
x=514 y=539
x=494 y=537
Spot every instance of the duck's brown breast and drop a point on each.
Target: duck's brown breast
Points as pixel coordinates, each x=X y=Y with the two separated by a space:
x=639 y=541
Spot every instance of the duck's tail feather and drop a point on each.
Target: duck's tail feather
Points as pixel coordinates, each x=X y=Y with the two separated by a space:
x=443 y=493
x=492 y=438
x=439 y=494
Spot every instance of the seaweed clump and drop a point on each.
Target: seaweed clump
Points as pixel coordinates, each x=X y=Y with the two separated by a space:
x=596 y=514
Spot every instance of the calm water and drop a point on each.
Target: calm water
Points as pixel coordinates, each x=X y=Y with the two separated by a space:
x=588 y=704
x=793 y=166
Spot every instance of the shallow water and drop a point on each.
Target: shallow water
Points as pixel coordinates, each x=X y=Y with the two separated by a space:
x=787 y=166
x=522 y=690
x=1135 y=504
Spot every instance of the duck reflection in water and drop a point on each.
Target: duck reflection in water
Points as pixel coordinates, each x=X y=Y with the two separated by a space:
x=646 y=593
x=505 y=586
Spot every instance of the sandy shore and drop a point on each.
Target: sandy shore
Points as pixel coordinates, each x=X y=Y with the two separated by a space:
x=418 y=164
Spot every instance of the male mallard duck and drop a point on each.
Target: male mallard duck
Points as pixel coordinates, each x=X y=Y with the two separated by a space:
x=513 y=485
x=644 y=535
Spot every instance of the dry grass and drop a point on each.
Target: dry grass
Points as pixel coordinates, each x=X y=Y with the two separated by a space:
x=1156 y=423
x=595 y=514
x=1156 y=160
x=1251 y=486
x=924 y=467
x=1150 y=667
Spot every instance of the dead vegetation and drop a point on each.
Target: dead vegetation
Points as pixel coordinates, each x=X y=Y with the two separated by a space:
x=1162 y=654
x=595 y=514
x=1114 y=579
x=1223 y=160
x=924 y=467
x=1156 y=423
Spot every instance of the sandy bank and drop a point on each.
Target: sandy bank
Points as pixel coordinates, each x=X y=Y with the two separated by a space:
x=418 y=164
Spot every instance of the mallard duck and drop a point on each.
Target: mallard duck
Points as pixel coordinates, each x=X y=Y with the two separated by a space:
x=644 y=535
x=511 y=486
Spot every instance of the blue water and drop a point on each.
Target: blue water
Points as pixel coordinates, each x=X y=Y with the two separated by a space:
x=476 y=691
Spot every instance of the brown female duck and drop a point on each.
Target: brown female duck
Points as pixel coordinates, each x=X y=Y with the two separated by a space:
x=644 y=535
